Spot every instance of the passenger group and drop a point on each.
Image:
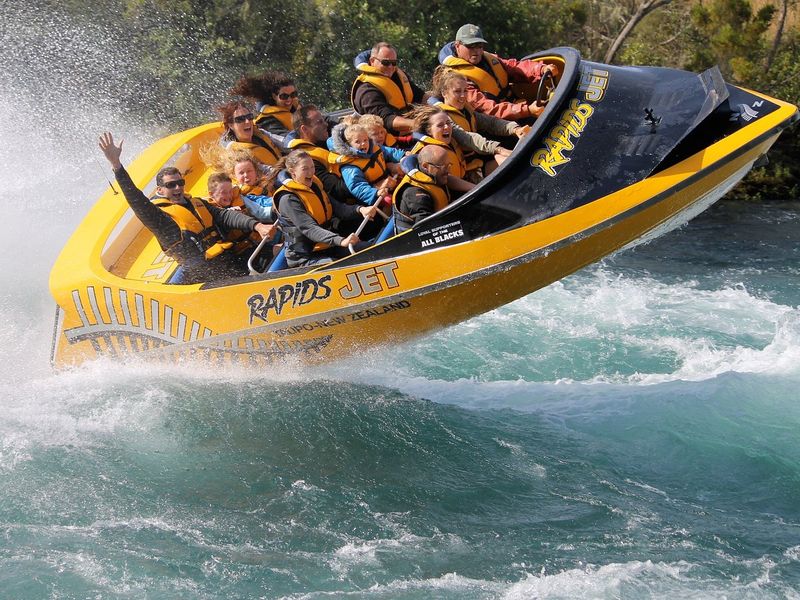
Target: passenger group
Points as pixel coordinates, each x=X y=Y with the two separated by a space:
x=288 y=173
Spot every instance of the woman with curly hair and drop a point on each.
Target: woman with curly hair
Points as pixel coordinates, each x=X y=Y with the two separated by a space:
x=276 y=98
x=242 y=134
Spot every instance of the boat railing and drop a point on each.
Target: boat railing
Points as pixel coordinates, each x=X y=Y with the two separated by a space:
x=571 y=59
x=251 y=262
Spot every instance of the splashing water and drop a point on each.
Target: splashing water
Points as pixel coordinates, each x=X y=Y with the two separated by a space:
x=630 y=431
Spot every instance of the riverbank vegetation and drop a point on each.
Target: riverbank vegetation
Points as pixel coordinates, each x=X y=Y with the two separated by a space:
x=186 y=54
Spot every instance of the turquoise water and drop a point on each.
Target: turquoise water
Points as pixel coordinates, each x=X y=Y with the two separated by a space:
x=629 y=432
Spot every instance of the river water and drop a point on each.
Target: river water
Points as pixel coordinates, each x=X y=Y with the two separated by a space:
x=631 y=431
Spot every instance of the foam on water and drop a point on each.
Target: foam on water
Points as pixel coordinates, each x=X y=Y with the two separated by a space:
x=688 y=333
x=633 y=579
x=641 y=579
x=629 y=431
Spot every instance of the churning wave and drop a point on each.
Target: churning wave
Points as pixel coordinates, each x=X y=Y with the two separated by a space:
x=630 y=431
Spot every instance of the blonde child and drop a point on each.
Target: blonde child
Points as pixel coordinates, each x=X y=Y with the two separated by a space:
x=364 y=165
x=378 y=134
x=223 y=194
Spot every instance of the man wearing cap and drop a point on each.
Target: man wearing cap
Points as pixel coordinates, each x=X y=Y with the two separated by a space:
x=383 y=89
x=491 y=77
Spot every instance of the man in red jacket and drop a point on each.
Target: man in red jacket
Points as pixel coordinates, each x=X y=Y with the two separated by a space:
x=492 y=78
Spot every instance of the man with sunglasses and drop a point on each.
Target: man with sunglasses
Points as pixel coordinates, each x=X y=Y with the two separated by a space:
x=423 y=190
x=188 y=229
x=384 y=89
x=491 y=78
x=311 y=134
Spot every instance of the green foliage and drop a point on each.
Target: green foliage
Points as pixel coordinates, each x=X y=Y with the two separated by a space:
x=186 y=54
x=781 y=178
x=733 y=35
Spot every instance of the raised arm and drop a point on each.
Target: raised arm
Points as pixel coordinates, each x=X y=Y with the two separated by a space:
x=156 y=220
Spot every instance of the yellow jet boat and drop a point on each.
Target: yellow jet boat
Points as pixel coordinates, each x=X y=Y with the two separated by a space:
x=619 y=154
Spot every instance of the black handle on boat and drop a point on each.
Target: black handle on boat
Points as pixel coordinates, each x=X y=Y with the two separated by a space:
x=253 y=256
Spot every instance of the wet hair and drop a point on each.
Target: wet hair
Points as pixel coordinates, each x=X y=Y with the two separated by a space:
x=443 y=78
x=262 y=87
x=241 y=156
x=294 y=158
x=166 y=171
x=215 y=179
x=422 y=116
x=226 y=111
x=352 y=130
x=222 y=159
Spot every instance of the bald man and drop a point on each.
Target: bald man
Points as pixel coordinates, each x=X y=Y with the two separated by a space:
x=423 y=191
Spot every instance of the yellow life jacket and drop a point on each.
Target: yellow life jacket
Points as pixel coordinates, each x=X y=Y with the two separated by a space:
x=463 y=118
x=314 y=199
x=373 y=166
x=283 y=114
x=237 y=192
x=255 y=190
x=492 y=81
x=241 y=240
x=261 y=147
x=399 y=97
x=458 y=165
x=439 y=194
x=468 y=122
x=323 y=155
x=197 y=221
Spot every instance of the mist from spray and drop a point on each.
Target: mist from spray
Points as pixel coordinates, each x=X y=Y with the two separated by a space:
x=60 y=92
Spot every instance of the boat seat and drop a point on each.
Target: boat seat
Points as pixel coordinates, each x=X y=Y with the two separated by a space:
x=387 y=231
x=279 y=262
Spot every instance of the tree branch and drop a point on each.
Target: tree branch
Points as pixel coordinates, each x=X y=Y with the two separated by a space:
x=644 y=9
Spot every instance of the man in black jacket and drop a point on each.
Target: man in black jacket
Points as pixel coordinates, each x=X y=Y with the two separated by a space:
x=423 y=191
x=385 y=90
x=188 y=229
x=311 y=135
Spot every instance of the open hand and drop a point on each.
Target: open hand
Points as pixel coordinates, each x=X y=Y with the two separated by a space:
x=112 y=152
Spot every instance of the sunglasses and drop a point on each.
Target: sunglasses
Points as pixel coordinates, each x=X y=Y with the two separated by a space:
x=387 y=63
x=287 y=96
x=243 y=118
x=171 y=185
x=475 y=45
